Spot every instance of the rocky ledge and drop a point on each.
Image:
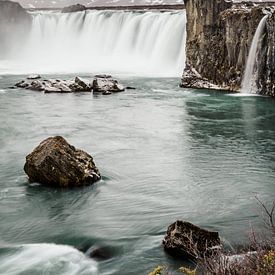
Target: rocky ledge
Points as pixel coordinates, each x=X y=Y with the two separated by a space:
x=55 y=162
x=219 y=36
x=104 y=84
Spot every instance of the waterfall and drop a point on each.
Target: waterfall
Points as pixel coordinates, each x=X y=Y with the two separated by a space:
x=150 y=43
x=249 y=81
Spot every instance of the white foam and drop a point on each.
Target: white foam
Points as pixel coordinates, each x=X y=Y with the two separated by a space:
x=46 y=259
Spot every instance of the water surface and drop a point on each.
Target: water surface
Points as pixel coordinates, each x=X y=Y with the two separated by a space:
x=165 y=153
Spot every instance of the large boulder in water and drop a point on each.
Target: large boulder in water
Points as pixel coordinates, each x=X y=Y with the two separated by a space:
x=183 y=239
x=55 y=162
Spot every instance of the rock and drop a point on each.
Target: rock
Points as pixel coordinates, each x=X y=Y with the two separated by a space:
x=34 y=76
x=36 y=85
x=99 y=253
x=130 y=88
x=103 y=76
x=85 y=84
x=186 y=240
x=55 y=162
x=55 y=85
x=22 y=84
x=106 y=93
x=50 y=89
x=74 y=8
x=104 y=84
x=192 y=79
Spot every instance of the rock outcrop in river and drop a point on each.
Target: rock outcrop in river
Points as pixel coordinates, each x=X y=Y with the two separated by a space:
x=15 y=23
x=186 y=240
x=55 y=162
x=219 y=35
x=104 y=84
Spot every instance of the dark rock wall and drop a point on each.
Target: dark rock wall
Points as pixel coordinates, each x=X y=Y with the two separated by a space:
x=219 y=35
x=15 y=23
x=266 y=73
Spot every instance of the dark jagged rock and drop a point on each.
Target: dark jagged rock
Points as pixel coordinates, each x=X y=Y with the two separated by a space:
x=74 y=8
x=15 y=23
x=219 y=36
x=186 y=240
x=103 y=84
x=83 y=83
x=55 y=162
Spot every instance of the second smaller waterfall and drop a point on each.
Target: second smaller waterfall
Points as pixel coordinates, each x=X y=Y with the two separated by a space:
x=249 y=81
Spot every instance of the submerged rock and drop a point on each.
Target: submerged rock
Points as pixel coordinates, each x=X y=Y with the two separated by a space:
x=55 y=162
x=184 y=239
x=105 y=83
x=74 y=8
x=34 y=76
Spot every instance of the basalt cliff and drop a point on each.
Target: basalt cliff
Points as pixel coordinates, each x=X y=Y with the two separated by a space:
x=219 y=36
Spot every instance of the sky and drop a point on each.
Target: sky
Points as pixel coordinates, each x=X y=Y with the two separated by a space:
x=62 y=3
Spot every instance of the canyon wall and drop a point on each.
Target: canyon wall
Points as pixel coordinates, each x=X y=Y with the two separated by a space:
x=219 y=35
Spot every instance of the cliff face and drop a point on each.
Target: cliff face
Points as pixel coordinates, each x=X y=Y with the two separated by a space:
x=14 y=25
x=219 y=35
x=266 y=73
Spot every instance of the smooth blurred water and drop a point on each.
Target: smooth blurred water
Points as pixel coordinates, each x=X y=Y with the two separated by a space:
x=150 y=43
x=165 y=153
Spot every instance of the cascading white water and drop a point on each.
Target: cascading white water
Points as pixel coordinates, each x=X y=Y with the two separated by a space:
x=122 y=42
x=249 y=81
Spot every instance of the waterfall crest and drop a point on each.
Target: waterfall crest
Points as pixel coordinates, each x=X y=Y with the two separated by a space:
x=249 y=81
x=123 y=42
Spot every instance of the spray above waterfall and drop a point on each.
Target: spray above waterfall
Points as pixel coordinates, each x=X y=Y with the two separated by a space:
x=139 y=43
x=250 y=76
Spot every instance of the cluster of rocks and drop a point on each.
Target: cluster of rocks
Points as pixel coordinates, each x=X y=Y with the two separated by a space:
x=104 y=84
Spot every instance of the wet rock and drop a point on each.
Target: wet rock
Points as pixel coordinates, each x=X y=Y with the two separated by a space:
x=55 y=85
x=36 y=85
x=100 y=253
x=103 y=76
x=106 y=93
x=74 y=8
x=34 y=76
x=186 y=240
x=102 y=84
x=22 y=84
x=192 y=79
x=55 y=162
x=83 y=83
x=130 y=88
